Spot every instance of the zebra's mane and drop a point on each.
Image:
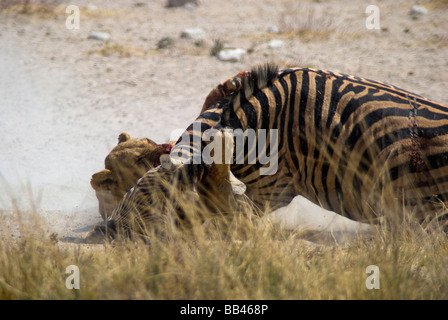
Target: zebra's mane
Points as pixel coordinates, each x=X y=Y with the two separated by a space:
x=252 y=82
x=259 y=78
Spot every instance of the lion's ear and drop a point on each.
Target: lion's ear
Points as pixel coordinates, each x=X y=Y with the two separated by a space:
x=102 y=180
x=123 y=137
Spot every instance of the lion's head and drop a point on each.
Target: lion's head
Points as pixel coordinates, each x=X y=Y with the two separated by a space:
x=128 y=161
x=172 y=194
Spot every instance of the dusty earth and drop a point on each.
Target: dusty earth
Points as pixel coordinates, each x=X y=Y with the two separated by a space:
x=65 y=98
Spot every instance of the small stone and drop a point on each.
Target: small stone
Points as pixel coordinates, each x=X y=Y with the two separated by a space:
x=180 y=3
x=102 y=36
x=190 y=6
x=193 y=33
x=165 y=43
x=232 y=55
x=273 y=29
x=275 y=44
x=417 y=10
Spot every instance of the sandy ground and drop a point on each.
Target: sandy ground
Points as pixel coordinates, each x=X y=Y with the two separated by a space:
x=64 y=98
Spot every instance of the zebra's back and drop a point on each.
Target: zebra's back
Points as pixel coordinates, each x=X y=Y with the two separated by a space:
x=344 y=142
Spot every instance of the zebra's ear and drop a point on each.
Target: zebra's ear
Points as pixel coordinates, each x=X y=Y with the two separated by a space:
x=238 y=187
x=224 y=89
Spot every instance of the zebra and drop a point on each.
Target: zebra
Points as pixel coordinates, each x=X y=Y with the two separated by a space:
x=361 y=148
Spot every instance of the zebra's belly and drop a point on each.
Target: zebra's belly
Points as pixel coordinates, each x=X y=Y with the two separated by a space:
x=409 y=177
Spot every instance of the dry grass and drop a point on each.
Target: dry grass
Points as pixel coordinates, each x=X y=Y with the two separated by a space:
x=109 y=48
x=242 y=261
x=303 y=20
x=237 y=257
